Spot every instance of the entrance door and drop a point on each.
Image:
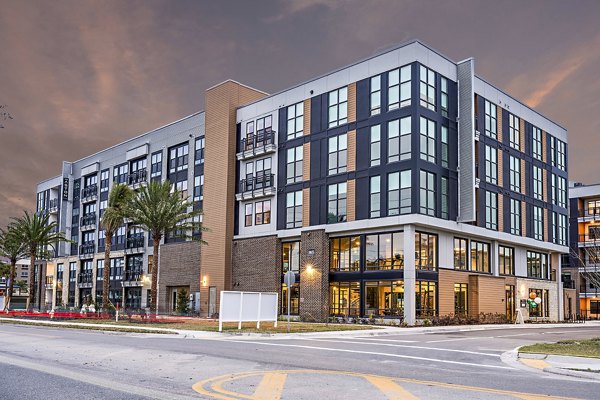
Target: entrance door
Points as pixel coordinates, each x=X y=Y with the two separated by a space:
x=510 y=302
x=212 y=301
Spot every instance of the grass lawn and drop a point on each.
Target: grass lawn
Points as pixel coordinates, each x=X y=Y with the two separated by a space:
x=580 y=348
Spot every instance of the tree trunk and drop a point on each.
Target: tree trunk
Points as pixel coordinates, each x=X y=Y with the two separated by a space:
x=153 y=291
x=106 y=271
x=11 y=284
x=30 y=298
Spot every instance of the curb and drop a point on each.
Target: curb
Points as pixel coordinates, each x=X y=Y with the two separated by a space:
x=513 y=357
x=575 y=374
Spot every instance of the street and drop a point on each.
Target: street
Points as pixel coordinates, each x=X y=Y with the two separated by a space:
x=64 y=363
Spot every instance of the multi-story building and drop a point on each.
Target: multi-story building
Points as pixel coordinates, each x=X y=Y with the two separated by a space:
x=400 y=186
x=583 y=270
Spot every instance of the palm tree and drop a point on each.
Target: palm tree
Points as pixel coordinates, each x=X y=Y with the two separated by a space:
x=159 y=209
x=37 y=234
x=113 y=217
x=13 y=249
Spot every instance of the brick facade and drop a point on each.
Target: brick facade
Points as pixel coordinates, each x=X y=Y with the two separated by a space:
x=314 y=275
x=179 y=267
x=257 y=264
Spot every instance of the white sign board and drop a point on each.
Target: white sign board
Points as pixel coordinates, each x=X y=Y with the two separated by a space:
x=1 y=303
x=247 y=307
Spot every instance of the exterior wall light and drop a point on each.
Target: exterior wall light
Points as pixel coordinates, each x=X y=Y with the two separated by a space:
x=204 y=280
x=309 y=268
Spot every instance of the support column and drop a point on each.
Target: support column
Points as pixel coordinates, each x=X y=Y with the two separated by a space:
x=314 y=275
x=560 y=294
x=410 y=275
x=495 y=257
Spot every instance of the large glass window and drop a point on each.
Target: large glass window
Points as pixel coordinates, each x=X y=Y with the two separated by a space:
x=491 y=164
x=480 y=256
x=560 y=228
x=514 y=131
x=294 y=299
x=295 y=157
x=178 y=157
x=376 y=95
x=345 y=254
x=445 y=149
x=399 y=139
x=375 y=197
x=506 y=259
x=338 y=154
x=399 y=189
x=427 y=134
x=515 y=174
x=542 y=309
x=384 y=298
x=156 y=164
x=426 y=299
x=491 y=210
x=198 y=188
x=293 y=209
x=375 y=147
x=336 y=203
x=427 y=87
x=104 y=178
x=295 y=120
x=460 y=299
x=445 y=197
x=426 y=251
x=262 y=215
x=344 y=299
x=538 y=223
x=399 y=87
x=444 y=96
x=199 y=151
x=290 y=252
x=461 y=254
x=537 y=265
x=338 y=107
x=427 y=193
x=384 y=251
x=561 y=155
x=248 y=214
x=491 y=120
x=536 y=141
x=538 y=183
x=515 y=217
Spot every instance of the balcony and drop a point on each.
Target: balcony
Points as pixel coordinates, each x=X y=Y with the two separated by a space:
x=133 y=278
x=89 y=193
x=86 y=251
x=85 y=279
x=53 y=206
x=88 y=222
x=589 y=240
x=137 y=178
x=258 y=144
x=135 y=244
x=49 y=284
x=258 y=186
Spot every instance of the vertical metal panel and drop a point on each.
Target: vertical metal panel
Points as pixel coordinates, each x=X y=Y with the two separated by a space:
x=466 y=142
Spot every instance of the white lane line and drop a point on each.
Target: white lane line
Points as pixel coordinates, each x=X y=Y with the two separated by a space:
x=388 y=340
x=457 y=339
x=407 y=347
x=373 y=353
x=518 y=334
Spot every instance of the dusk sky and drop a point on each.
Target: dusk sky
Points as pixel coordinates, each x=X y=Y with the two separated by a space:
x=79 y=76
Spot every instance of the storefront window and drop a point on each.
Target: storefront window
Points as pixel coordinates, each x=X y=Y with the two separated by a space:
x=460 y=299
x=425 y=299
x=384 y=298
x=385 y=251
x=345 y=254
x=542 y=309
x=344 y=299
x=291 y=257
x=294 y=299
x=426 y=251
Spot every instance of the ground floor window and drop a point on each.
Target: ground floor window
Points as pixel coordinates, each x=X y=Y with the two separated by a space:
x=543 y=308
x=426 y=294
x=344 y=298
x=71 y=299
x=115 y=296
x=59 y=298
x=594 y=307
x=509 y=291
x=384 y=298
x=133 y=298
x=460 y=299
x=294 y=299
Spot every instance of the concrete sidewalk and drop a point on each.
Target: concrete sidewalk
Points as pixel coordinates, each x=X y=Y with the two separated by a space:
x=578 y=367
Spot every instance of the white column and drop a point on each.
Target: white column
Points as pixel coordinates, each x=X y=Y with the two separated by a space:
x=560 y=289
x=495 y=256
x=409 y=275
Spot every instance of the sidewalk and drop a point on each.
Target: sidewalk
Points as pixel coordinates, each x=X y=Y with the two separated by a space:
x=563 y=365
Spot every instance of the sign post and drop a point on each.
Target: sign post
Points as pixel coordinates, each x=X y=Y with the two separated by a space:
x=289 y=279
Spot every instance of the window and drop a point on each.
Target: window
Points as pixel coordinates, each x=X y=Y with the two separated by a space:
x=150 y=264
x=445 y=150
x=444 y=96
x=295 y=157
x=199 y=151
x=344 y=298
x=198 y=188
x=426 y=251
x=491 y=120
x=375 y=95
x=99 y=270
x=294 y=299
x=138 y=165
x=538 y=223
x=514 y=131
x=399 y=87
x=515 y=174
x=375 y=137
x=104 y=178
x=399 y=193
x=345 y=254
x=182 y=188
x=264 y=126
x=90 y=180
x=295 y=120
x=290 y=252
x=506 y=259
x=263 y=212
x=445 y=197
x=293 y=210
x=594 y=307
x=536 y=147
x=156 y=164
x=60 y=270
x=102 y=207
x=491 y=164
x=427 y=87
x=336 y=203
x=425 y=299
x=491 y=210
x=248 y=214
x=559 y=191
x=537 y=265
x=384 y=251
x=560 y=228
x=537 y=183
x=480 y=256
x=427 y=193
x=338 y=154
x=384 y=298
x=375 y=197
x=399 y=139
x=558 y=151
x=101 y=238
x=116 y=268
x=249 y=135
x=542 y=309
x=120 y=173
x=178 y=157
x=427 y=140
x=460 y=299
x=338 y=107
x=461 y=260
x=72 y=271
x=515 y=217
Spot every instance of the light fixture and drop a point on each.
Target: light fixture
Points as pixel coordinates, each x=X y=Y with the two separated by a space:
x=204 y=280
x=309 y=268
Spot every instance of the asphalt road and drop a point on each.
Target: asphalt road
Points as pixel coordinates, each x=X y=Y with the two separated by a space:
x=54 y=363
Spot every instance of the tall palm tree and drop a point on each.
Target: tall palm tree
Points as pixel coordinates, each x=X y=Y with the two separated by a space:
x=37 y=234
x=113 y=217
x=159 y=209
x=13 y=249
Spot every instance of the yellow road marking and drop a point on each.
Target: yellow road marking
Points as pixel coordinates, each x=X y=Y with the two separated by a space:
x=539 y=364
x=390 y=389
x=270 y=387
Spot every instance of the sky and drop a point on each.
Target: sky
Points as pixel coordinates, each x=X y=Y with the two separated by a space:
x=79 y=76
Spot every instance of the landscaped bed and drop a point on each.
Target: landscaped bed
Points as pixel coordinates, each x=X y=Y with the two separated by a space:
x=578 y=348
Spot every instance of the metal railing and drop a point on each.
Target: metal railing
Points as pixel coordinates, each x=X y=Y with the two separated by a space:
x=89 y=191
x=88 y=219
x=591 y=239
x=257 y=140
x=85 y=277
x=87 y=248
x=257 y=182
x=134 y=275
x=49 y=280
x=53 y=204
x=135 y=241
x=138 y=176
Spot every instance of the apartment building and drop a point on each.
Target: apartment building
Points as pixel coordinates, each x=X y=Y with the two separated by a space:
x=401 y=186
x=582 y=272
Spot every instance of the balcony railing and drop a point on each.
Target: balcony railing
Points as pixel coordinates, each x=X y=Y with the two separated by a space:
x=88 y=192
x=87 y=250
x=134 y=275
x=53 y=206
x=137 y=177
x=589 y=240
x=88 y=219
x=135 y=243
x=256 y=144
x=257 y=183
x=85 y=279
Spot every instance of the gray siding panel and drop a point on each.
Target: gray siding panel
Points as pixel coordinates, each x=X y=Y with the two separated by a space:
x=466 y=142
